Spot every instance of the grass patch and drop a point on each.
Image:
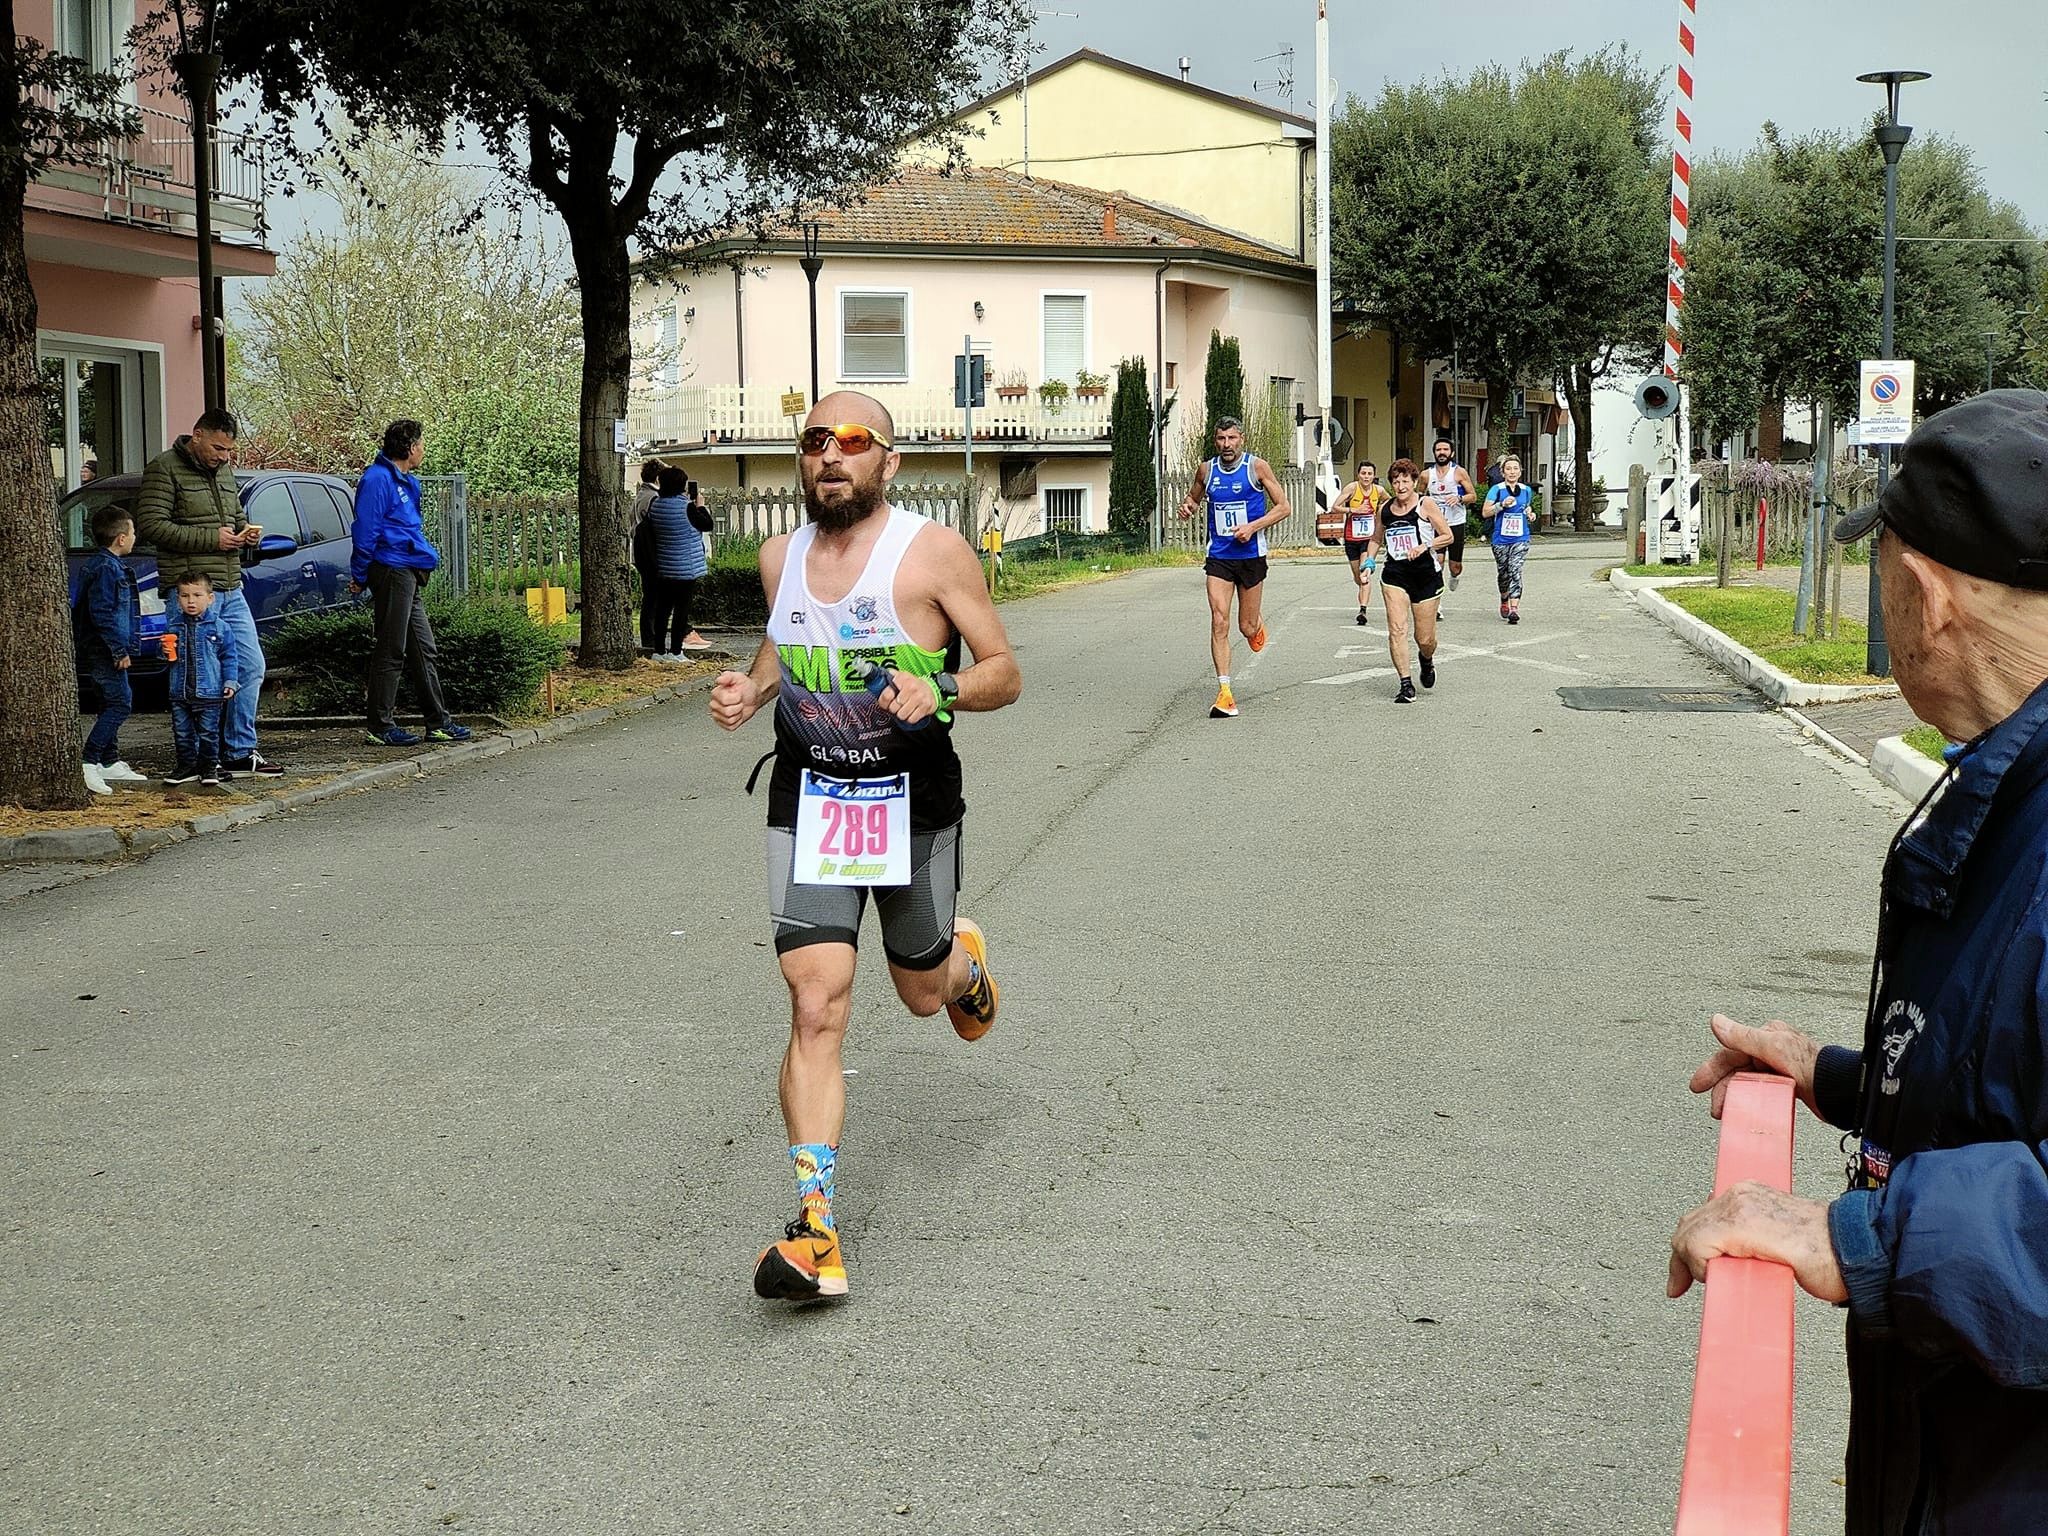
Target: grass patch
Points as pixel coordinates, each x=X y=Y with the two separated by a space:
x=1026 y=578
x=1927 y=741
x=578 y=688
x=1761 y=619
x=1703 y=569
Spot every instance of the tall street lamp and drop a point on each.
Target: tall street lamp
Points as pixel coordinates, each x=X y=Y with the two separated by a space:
x=813 y=264
x=1891 y=138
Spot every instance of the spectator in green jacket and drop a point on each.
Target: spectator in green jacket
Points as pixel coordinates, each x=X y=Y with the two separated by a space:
x=190 y=511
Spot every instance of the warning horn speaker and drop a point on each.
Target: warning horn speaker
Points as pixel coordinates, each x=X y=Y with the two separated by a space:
x=1656 y=398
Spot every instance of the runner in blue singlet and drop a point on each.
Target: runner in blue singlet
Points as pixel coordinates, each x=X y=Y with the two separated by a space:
x=1244 y=498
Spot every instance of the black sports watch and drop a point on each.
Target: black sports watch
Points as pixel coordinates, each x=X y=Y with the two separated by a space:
x=948 y=687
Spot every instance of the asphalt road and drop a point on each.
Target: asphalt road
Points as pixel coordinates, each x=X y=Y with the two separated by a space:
x=398 y=1166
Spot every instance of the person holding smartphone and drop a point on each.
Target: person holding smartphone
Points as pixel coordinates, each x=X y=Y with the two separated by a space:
x=679 y=522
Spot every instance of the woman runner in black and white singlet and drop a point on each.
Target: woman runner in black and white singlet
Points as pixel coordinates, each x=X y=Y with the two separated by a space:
x=1411 y=532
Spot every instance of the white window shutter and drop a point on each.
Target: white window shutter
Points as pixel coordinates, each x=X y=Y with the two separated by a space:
x=875 y=335
x=1066 y=335
x=670 y=371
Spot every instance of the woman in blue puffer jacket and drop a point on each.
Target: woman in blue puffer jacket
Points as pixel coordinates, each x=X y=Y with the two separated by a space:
x=679 y=521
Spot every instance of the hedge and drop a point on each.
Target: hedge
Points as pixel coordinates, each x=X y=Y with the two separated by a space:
x=493 y=657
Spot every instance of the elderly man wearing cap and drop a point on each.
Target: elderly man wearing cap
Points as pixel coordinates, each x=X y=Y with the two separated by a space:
x=1939 y=1247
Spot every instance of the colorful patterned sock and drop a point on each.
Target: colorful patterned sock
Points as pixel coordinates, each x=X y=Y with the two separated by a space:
x=816 y=1163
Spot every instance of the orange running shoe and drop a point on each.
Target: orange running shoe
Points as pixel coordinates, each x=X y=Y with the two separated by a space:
x=1258 y=641
x=975 y=1009
x=805 y=1265
x=1225 y=705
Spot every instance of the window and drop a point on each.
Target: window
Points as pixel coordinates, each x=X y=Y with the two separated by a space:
x=318 y=515
x=1065 y=351
x=1066 y=508
x=1172 y=379
x=874 y=334
x=93 y=30
x=669 y=371
x=99 y=404
x=272 y=508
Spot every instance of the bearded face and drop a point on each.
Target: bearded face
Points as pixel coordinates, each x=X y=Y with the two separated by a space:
x=840 y=491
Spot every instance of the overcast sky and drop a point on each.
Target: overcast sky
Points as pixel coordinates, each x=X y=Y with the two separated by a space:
x=1794 y=62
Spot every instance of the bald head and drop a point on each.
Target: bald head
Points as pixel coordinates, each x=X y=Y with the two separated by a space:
x=843 y=406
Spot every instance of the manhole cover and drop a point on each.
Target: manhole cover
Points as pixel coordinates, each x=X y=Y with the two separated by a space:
x=1691 y=701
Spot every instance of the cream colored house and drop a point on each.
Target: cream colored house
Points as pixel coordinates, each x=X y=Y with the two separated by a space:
x=1053 y=277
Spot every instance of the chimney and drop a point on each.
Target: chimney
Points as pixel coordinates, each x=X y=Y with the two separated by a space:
x=1109 y=220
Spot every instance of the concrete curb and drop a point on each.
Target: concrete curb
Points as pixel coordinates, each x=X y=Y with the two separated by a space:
x=1911 y=772
x=1621 y=581
x=96 y=844
x=1828 y=739
x=1744 y=664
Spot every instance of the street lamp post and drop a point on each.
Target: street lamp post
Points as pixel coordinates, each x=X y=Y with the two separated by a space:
x=1891 y=138
x=813 y=264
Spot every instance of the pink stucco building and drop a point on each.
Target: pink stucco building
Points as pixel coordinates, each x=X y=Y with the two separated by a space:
x=113 y=259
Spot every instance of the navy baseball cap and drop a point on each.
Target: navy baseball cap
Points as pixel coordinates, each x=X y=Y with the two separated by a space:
x=1971 y=490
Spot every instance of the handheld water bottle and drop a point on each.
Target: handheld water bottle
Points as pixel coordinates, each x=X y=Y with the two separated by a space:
x=876 y=678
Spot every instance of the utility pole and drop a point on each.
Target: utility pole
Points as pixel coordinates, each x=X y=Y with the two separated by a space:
x=1891 y=138
x=813 y=264
x=1326 y=480
x=198 y=71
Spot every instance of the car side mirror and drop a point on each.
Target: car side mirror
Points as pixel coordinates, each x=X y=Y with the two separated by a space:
x=275 y=546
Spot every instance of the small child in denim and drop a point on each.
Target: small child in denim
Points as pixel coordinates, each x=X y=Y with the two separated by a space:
x=106 y=625
x=204 y=676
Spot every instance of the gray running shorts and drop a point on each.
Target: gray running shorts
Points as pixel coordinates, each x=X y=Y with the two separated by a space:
x=917 y=919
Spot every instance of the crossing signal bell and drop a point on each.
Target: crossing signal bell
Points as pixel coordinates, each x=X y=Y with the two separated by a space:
x=1657 y=398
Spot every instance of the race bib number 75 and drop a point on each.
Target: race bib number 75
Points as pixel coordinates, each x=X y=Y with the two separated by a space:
x=853 y=831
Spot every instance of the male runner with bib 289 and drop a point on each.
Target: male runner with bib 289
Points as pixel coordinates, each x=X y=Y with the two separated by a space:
x=1451 y=489
x=1411 y=532
x=1245 y=498
x=865 y=795
x=1360 y=504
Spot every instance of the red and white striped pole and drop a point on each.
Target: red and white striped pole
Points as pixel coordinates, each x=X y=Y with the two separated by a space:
x=1681 y=221
x=1681 y=191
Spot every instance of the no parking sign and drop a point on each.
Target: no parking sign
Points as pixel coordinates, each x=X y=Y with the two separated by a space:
x=1887 y=414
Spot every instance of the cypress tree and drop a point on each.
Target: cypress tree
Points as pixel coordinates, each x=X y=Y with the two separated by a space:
x=1133 y=494
x=1222 y=384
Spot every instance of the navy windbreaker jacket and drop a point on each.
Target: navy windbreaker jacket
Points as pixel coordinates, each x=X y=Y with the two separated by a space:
x=1943 y=1235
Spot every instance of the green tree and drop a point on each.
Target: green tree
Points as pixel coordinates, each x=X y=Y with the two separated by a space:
x=1967 y=285
x=1133 y=491
x=414 y=307
x=58 y=111
x=1222 y=386
x=1513 y=222
x=661 y=122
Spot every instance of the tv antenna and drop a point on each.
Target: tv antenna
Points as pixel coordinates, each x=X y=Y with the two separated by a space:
x=1283 y=81
x=1020 y=60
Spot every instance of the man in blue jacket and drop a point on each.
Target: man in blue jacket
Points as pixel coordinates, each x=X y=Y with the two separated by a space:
x=393 y=559
x=1939 y=1247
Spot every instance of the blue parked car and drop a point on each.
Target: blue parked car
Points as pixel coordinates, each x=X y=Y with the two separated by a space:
x=301 y=567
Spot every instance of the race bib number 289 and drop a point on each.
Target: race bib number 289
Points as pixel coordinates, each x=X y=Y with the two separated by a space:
x=853 y=831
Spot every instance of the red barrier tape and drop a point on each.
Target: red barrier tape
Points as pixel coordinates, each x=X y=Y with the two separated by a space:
x=1738 y=1450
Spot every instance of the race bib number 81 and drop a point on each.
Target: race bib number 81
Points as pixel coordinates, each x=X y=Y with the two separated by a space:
x=1231 y=516
x=853 y=831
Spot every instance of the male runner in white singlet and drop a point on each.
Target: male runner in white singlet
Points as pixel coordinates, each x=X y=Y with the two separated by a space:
x=865 y=795
x=1451 y=489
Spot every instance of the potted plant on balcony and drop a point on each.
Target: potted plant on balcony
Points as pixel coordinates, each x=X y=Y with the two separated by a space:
x=1090 y=386
x=1052 y=394
x=1012 y=385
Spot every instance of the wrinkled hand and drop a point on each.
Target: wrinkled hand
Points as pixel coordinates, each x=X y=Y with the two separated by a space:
x=734 y=698
x=1777 y=1047
x=1754 y=1221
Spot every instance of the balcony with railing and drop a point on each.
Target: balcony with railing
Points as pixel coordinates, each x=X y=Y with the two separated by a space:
x=750 y=416
x=147 y=181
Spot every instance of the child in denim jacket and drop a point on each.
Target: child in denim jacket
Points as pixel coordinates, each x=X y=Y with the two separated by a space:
x=204 y=676
x=106 y=623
